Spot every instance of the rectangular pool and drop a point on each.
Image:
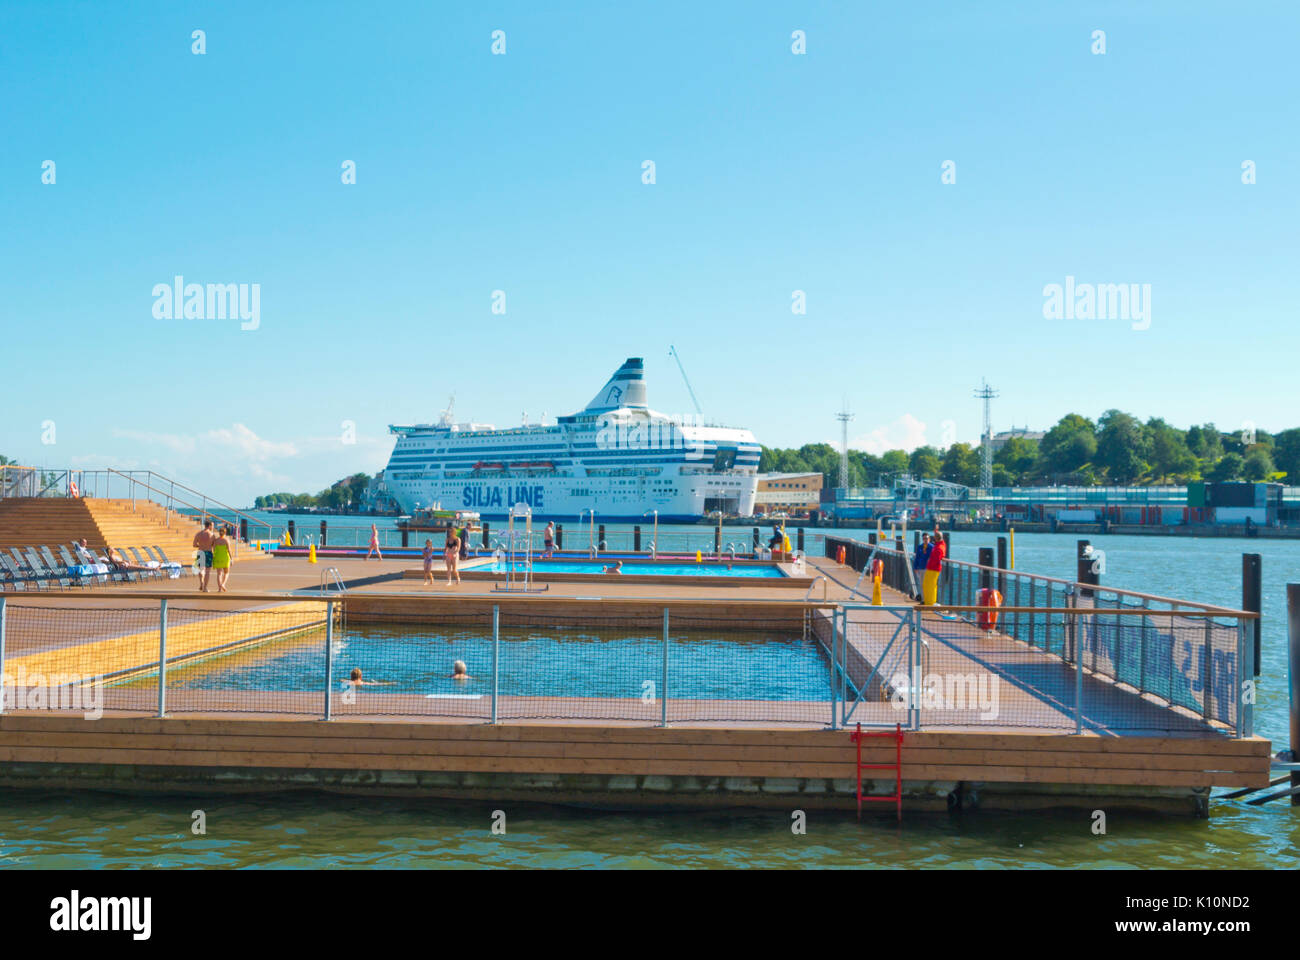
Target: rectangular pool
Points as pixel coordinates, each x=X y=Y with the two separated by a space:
x=652 y=568
x=569 y=662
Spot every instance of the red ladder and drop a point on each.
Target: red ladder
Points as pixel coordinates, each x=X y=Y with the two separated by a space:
x=897 y=766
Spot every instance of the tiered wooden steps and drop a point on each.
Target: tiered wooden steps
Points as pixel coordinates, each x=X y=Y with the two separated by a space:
x=30 y=521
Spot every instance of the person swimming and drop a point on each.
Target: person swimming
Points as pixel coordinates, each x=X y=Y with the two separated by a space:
x=615 y=568
x=355 y=679
x=459 y=672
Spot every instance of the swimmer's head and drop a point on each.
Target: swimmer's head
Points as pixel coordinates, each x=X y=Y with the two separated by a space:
x=458 y=667
x=356 y=674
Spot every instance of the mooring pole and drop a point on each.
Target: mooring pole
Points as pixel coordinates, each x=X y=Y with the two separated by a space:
x=1083 y=568
x=1002 y=566
x=986 y=575
x=1293 y=677
x=1252 y=596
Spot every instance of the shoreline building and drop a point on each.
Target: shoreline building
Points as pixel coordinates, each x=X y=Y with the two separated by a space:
x=794 y=494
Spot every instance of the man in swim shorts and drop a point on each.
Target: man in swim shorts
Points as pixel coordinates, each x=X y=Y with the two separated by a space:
x=203 y=541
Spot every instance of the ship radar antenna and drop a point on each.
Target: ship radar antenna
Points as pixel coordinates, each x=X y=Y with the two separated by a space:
x=689 y=389
x=449 y=412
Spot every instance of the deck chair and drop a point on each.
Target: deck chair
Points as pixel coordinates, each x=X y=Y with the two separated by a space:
x=54 y=567
x=117 y=574
x=172 y=570
x=10 y=577
x=92 y=570
x=23 y=569
x=75 y=567
x=155 y=570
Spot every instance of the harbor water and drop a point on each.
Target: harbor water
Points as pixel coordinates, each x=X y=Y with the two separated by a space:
x=90 y=830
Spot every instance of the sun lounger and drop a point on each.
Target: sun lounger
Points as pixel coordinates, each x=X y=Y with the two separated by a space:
x=11 y=577
x=152 y=567
x=18 y=565
x=88 y=566
x=173 y=570
x=43 y=561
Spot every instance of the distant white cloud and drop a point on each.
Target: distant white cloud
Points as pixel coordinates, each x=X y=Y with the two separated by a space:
x=905 y=433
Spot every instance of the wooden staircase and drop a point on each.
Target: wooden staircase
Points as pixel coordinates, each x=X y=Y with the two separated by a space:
x=32 y=521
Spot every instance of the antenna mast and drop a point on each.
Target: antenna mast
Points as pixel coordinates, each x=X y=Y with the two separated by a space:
x=673 y=350
x=844 y=416
x=987 y=394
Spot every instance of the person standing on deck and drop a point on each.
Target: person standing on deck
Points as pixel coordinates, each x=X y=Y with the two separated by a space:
x=933 y=567
x=548 y=540
x=919 y=562
x=451 y=555
x=203 y=544
x=374 y=543
x=427 y=556
x=464 y=541
x=221 y=559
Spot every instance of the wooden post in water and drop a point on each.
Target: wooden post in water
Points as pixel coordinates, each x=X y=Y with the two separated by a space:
x=293 y=533
x=756 y=535
x=1293 y=676
x=559 y=536
x=486 y=525
x=636 y=539
x=799 y=536
x=1252 y=595
x=601 y=539
x=1083 y=569
x=986 y=560
x=1002 y=566
x=323 y=528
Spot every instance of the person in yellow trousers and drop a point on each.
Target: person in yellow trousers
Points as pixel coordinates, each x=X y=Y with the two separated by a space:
x=933 y=567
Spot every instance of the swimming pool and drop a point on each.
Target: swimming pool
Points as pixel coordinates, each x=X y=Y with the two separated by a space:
x=568 y=662
x=652 y=568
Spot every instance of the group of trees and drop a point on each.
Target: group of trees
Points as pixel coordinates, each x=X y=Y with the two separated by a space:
x=342 y=493
x=1117 y=449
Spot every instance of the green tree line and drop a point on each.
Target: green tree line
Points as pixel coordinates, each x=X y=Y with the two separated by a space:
x=1118 y=448
x=340 y=494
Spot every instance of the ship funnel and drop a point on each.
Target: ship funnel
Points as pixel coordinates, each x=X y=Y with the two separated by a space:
x=626 y=388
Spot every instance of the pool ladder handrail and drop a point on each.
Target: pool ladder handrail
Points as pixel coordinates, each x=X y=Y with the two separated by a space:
x=809 y=591
x=332 y=573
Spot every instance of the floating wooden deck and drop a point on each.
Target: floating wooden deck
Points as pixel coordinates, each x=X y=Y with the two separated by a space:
x=602 y=752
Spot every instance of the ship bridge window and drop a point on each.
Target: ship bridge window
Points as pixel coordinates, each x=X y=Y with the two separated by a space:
x=725 y=458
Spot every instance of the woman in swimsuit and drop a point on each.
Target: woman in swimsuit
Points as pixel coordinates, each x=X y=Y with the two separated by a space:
x=451 y=556
x=221 y=559
x=374 y=543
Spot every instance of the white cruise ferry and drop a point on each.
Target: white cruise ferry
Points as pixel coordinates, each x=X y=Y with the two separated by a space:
x=616 y=456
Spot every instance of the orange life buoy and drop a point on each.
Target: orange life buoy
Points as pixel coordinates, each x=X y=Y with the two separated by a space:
x=877 y=569
x=72 y=487
x=840 y=555
x=988 y=619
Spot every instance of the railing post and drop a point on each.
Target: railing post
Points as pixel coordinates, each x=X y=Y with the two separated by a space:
x=914 y=685
x=496 y=657
x=1078 y=667
x=162 y=657
x=835 y=632
x=1243 y=658
x=663 y=690
x=2 y=653
x=1208 y=672
x=329 y=659
x=1293 y=677
x=1251 y=598
x=1146 y=624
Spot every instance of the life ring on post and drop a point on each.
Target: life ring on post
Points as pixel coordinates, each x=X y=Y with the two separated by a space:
x=72 y=489
x=988 y=619
x=840 y=555
x=877 y=569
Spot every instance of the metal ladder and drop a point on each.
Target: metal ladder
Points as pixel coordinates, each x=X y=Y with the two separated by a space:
x=897 y=766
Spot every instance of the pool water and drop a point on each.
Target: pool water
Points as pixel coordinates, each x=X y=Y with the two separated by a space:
x=534 y=661
x=649 y=569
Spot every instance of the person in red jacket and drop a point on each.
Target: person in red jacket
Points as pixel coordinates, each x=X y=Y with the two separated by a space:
x=933 y=567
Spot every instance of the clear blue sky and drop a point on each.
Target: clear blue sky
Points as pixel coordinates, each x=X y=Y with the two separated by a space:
x=523 y=173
